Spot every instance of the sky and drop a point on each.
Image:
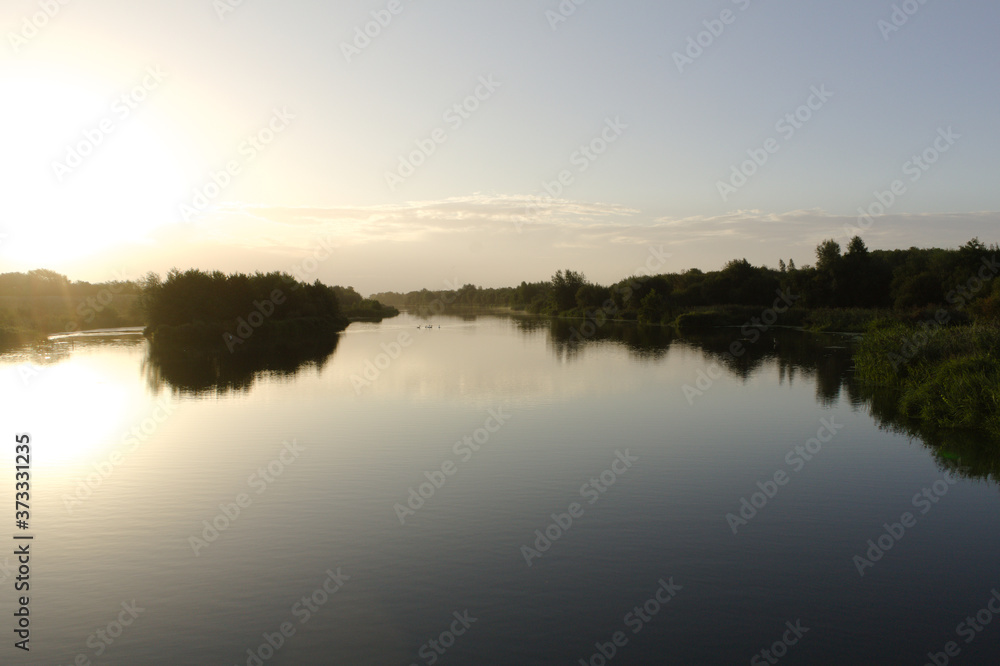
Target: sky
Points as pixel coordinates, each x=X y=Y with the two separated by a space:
x=407 y=144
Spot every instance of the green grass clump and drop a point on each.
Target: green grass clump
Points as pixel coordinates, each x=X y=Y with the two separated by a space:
x=947 y=376
x=957 y=393
x=841 y=320
x=691 y=321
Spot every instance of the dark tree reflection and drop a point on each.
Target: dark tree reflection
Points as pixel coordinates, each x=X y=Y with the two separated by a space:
x=569 y=337
x=972 y=455
x=194 y=373
x=827 y=358
x=823 y=358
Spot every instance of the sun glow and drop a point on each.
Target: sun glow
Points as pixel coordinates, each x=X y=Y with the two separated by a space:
x=77 y=409
x=82 y=172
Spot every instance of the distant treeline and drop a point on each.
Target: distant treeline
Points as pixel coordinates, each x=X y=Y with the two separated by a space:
x=197 y=296
x=857 y=277
x=213 y=312
x=357 y=307
x=42 y=301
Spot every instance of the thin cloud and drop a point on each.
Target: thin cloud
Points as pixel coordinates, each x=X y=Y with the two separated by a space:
x=562 y=224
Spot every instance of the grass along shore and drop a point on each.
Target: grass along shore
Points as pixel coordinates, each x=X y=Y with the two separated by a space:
x=946 y=376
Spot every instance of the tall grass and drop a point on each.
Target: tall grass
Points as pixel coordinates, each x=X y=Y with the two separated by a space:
x=948 y=376
x=841 y=320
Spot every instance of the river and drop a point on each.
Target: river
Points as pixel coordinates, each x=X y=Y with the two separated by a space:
x=494 y=490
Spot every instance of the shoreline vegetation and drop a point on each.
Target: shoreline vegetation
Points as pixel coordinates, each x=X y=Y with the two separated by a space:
x=214 y=314
x=192 y=310
x=929 y=319
x=946 y=376
x=844 y=291
x=358 y=308
x=41 y=302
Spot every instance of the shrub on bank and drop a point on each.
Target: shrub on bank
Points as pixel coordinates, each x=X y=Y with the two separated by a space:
x=370 y=310
x=841 y=320
x=690 y=321
x=958 y=393
x=949 y=376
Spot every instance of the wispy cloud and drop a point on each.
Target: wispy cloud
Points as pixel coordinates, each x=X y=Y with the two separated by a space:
x=564 y=225
x=476 y=239
x=421 y=220
x=575 y=223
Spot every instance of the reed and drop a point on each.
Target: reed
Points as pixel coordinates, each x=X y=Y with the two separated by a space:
x=947 y=376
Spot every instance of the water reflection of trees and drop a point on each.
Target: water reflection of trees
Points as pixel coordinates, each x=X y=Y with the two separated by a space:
x=969 y=454
x=826 y=360
x=569 y=337
x=195 y=373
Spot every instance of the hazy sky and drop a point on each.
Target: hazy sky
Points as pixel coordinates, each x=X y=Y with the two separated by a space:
x=432 y=148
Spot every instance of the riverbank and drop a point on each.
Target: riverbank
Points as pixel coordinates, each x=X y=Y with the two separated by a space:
x=12 y=336
x=371 y=311
x=817 y=320
x=948 y=376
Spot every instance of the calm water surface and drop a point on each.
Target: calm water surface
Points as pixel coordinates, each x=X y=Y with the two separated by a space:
x=137 y=461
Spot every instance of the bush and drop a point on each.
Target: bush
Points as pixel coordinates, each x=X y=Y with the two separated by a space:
x=958 y=393
x=947 y=376
x=694 y=320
